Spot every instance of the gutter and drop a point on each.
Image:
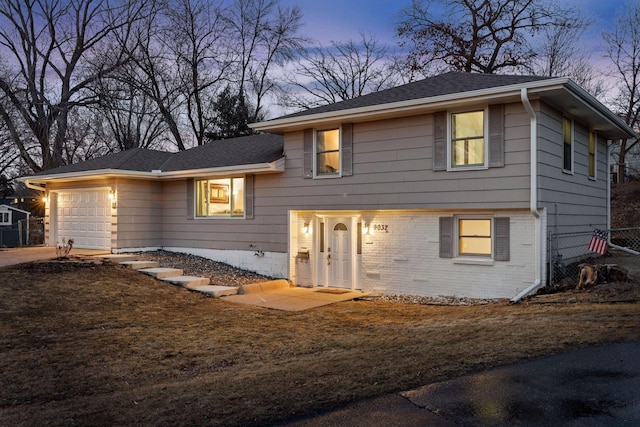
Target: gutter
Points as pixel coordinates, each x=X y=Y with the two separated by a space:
x=33 y=186
x=614 y=246
x=533 y=198
x=259 y=168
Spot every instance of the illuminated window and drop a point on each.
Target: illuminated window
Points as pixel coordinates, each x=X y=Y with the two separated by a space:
x=474 y=237
x=327 y=149
x=592 y=154
x=567 y=137
x=223 y=197
x=467 y=139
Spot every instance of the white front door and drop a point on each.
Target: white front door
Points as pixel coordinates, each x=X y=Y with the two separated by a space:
x=339 y=259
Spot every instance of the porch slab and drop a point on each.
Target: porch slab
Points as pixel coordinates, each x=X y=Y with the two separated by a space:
x=214 y=290
x=137 y=265
x=162 y=272
x=293 y=298
x=186 y=281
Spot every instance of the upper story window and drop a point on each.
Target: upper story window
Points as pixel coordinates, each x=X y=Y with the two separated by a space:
x=567 y=145
x=327 y=152
x=468 y=145
x=5 y=218
x=223 y=197
x=593 y=144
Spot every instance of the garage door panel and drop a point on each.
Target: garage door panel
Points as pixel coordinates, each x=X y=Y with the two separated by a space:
x=85 y=217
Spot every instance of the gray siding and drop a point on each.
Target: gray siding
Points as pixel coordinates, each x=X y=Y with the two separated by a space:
x=139 y=214
x=266 y=231
x=574 y=201
x=392 y=169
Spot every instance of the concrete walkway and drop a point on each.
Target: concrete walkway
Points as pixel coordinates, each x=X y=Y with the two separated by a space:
x=279 y=295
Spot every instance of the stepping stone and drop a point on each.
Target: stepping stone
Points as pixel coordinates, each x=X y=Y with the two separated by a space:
x=162 y=272
x=137 y=265
x=117 y=257
x=187 y=280
x=214 y=290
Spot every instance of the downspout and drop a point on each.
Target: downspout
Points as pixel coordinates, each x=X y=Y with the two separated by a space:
x=533 y=198
x=631 y=251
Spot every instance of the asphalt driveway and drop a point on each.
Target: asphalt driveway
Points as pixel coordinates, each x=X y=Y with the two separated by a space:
x=598 y=386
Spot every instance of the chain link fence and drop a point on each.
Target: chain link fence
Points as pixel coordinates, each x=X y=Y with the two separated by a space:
x=26 y=232
x=568 y=250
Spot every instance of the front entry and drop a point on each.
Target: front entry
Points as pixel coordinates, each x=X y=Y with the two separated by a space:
x=338 y=257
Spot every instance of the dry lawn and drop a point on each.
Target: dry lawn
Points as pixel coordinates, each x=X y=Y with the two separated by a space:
x=86 y=344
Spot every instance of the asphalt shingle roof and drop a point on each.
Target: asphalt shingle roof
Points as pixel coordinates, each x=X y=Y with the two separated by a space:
x=135 y=159
x=247 y=150
x=444 y=84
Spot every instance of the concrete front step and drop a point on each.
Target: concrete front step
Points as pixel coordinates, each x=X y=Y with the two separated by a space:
x=137 y=265
x=214 y=290
x=117 y=257
x=186 y=281
x=162 y=272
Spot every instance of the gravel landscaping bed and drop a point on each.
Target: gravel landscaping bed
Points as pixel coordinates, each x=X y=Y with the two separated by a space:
x=220 y=273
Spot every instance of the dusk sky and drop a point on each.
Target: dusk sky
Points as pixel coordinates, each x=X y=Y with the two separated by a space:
x=341 y=20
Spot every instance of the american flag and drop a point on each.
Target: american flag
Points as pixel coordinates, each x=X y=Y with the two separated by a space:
x=598 y=242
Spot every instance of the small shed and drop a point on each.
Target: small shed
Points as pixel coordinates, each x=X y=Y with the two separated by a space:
x=14 y=224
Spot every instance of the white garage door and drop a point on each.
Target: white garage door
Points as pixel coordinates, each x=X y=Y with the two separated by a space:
x=85 y=217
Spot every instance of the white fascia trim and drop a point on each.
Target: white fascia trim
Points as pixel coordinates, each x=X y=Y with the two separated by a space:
x=413 y=104
x=273 y=167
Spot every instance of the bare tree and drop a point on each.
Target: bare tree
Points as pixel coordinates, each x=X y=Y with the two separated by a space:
x=623 y=50
x=486 y=36
x=325 y=75
x=561 y=54
x=196 y=37
x=54 y=48
x=125 y=118
x=265 y=35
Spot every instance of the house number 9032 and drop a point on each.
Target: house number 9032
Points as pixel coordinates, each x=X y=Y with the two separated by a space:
x=381 y=227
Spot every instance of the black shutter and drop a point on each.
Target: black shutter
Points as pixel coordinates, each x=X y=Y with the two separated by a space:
x=496 y=136
x=307 y=156
x=439 y=141
x=347 y=150
x=446 y=237
x=501 y=240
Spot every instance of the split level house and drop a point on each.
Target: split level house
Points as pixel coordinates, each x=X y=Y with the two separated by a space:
x=445 y=186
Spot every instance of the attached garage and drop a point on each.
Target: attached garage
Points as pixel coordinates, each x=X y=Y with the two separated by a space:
x=84 y=216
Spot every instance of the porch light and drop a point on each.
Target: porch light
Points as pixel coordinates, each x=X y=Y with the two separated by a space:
x=365 y=229
x=112 y=199
x=45 y=199
x=305 y=228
